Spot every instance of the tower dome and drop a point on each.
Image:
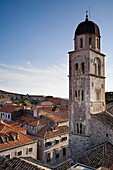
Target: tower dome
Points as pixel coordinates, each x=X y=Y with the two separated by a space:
x=87 y=27
x=87 y=35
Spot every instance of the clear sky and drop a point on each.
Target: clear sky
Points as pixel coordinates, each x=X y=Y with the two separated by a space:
x=35 y=37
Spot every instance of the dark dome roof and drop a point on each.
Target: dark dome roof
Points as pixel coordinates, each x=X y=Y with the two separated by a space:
x=87 y=27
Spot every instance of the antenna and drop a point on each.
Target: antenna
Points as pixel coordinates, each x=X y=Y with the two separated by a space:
x=89 y=12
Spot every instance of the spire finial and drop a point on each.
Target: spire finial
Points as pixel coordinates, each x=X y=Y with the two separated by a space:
x=86 y=15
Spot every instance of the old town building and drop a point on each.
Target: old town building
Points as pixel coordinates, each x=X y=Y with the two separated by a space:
x=90 y=123
x=13 y=142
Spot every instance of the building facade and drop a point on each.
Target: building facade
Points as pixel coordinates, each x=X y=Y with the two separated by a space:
x=15 y=143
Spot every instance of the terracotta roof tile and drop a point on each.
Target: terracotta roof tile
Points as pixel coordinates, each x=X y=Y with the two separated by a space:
x=22 y=138
x=105 y=118
x=15 y=126
x=97 y=156
x=47 y=133
x=58 y=101
x=19 y=163
x=10 y=108
x=26 y=119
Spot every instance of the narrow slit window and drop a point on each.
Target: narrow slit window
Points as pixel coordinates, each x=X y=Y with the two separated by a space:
x=76 y=69
x=82 y=68
x=81 y=42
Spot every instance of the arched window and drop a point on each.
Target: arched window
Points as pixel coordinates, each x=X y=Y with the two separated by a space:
x=77 y=128
x=76 y=69
x=80 y=128
x=78 y=95
x=95 y=68
x=90 y=41
x=75 y=95
x=64 y=151
x=99 y=70
x=81 y=42
x=98 y=43
x=97 y=65
x=82 y=95
x=82 y=68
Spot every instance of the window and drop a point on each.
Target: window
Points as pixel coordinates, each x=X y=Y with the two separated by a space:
x=80 y=128
x=64 y=151
x=8 y=116
x=76 y=69
x=64 y=139
x=77 y=128
x=106 y=135
x=57 y=153
x=16 y=137
x=48 y=157
x=30 y=149
x=56 y=141
x=79 y=95
x=81 y=42
x=82 y=68
x=7 y=156
x=75 y=95
x=98 y=69
x=48 y=144
x=5 y=139
x=19 y=153
x=95 y=69
x=89 y=41
x=97 y=65
x=98 y=43
x=82 y=95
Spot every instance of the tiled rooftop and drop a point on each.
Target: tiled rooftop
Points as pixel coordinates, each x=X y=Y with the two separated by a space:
x=46 y=132
x=110 y=110
x=57 y=116
x=26 y=119
x=22 y=138
x=42 y=120
x=58 y=101
x=17 y=163
x=10 y=108
x=101 y=155
x=105 y=118
x=16 y=126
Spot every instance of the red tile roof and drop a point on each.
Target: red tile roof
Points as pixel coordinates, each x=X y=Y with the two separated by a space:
x=22 y=138
x=10 y=108
x=40 y=121
x=46 y=132
x=26 y=119
x=58 y=101
x=15 y=126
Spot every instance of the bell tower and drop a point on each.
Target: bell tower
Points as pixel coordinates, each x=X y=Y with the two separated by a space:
x=86 y=84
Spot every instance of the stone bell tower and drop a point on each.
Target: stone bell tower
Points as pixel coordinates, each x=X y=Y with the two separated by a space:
x=86 y=84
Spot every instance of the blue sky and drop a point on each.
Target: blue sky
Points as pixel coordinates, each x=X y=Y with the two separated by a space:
x=35 y=37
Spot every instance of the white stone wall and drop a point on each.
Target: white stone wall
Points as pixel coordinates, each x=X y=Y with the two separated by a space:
x=14 y=151
x=52 y=149
x=5 y=116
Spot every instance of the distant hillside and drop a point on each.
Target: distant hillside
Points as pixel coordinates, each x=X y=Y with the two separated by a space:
x=9 y=96
x=109 y=97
